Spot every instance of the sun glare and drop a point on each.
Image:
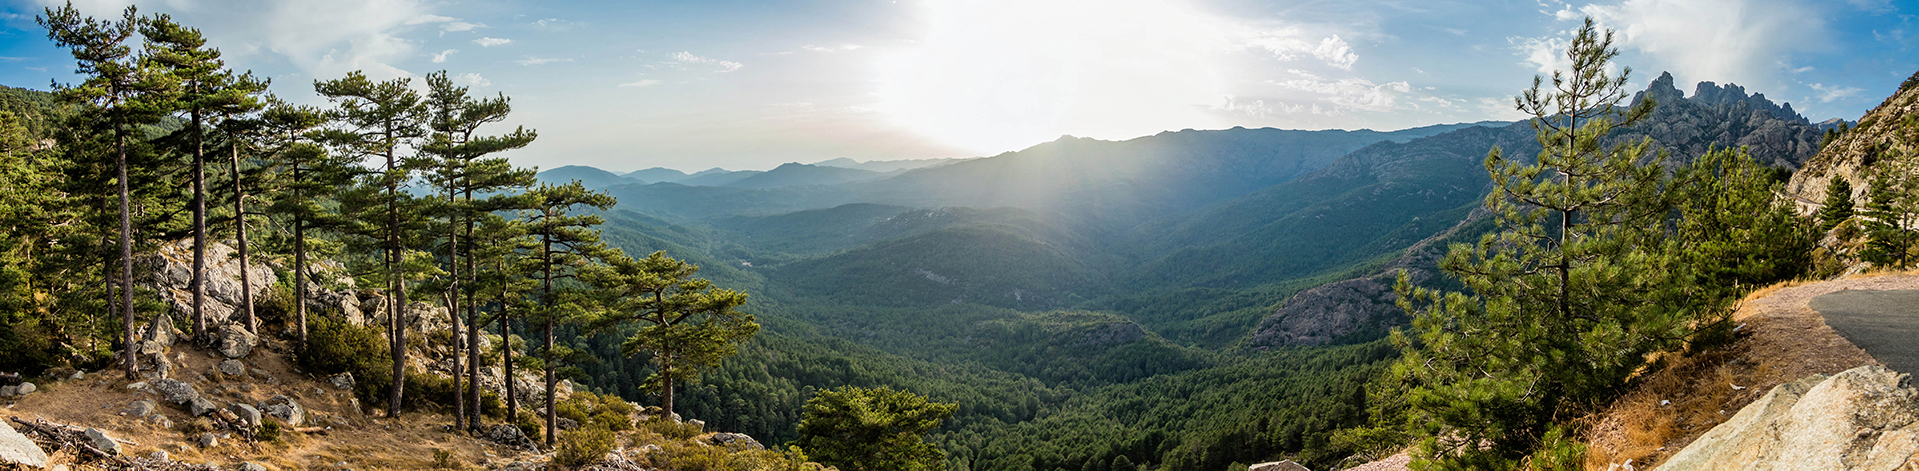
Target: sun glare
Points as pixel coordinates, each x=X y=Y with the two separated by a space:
x=999 y=75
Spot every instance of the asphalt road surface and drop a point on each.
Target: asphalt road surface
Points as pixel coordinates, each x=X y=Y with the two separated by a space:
x=1884 y=323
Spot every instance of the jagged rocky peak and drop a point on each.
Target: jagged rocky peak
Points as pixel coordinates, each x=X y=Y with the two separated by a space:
x=1664 y=90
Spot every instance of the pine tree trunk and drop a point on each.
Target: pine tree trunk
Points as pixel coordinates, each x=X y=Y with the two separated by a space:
x=396 y=304
x=126 y=254
x=453 y=311
x=199 y=231
x=666 y=383
x=506 y=364
x=473 y=330
x=240 y=228
x=546 y=301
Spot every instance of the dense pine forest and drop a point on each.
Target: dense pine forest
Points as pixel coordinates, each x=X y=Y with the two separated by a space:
x=1195 y=300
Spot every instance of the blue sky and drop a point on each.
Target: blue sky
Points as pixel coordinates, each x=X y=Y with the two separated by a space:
x=625 y=85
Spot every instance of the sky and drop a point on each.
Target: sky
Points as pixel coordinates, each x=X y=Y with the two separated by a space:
x=691 y=85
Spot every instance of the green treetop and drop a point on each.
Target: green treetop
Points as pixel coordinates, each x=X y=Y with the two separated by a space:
x=859 y=429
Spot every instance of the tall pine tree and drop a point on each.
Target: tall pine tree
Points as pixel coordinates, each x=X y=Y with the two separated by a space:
x=566 y=243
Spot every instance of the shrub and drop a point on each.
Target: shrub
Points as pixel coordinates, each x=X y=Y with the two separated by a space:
x=270 y=431
x=612 y=421
x=683 y=457
x=529 y=423
x=335 y=347
x=586 y=445
x=443 y=459
x=572 y=409
x=666 y=427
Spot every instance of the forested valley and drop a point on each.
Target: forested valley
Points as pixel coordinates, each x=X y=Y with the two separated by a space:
x=1193 y=300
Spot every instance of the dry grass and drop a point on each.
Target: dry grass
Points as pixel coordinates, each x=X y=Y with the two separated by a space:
x=1780 y=339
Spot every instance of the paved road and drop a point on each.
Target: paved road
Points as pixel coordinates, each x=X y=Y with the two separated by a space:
x=1885 y=323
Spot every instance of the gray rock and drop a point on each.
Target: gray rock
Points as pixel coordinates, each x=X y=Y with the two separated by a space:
x=252 y=467
x=510 y=436
x=77 y=375
x=233 y=368
x=1863 y=418
x=141 y=408
x=200 y=406
x=248 y=415
x=207 y=440
x=162 y=421
x=736 y=441
x=103 y=442
x=566 y=423
x=175 y=391
x=697 y=424
x=159 y=456
x=236 y=341
x=141 y=386
x=25 y=389
x=20 y=450
x=344 y=381
x=9 y=391
x=285 y=409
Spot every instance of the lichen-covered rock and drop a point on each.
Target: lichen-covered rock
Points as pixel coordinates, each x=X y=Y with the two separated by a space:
x=169 y=272
x=207 y=440
x=236 y=341
x=510 y=436
x=141 y=408
x=232 y=367
x=285 y=409
x=201 y=406
x=736 y=441
x=103 y=442
x=566 y=423
x=17 y=449
x=344 y=381
x=175 y=391
x=1863 y=418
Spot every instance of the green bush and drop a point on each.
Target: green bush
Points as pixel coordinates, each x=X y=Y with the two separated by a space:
x=572 y=409
x=666 y=427
x=584 y=446
x=334 y=347
x=529 y=423
x=612 y=421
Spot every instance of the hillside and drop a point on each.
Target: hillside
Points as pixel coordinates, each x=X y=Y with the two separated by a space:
x=656 y=175
x=1885 y=131
x=593 y=178
x=798 y=174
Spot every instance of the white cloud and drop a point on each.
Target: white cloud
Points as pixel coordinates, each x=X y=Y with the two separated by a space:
x=472 y=80
x=530 y=60
x=440 y=57
x=1348 y=92
x=492 y=41
x=424 y=19
x=1836 y=92
x=642 y=83
x=842 y=47
x=1727 y=41
x=554 y=24
x=1336 y=53
x=1544 y=54
x=684 y=58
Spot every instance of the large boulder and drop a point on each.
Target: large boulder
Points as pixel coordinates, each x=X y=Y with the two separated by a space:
x=175 y=391
x=141 y=408
x=18 y=450
x=1863 y=418
x=1287 y=465
x=285 y=409
x=510 y=435
x=236 y=341
x=736 y=441
x=169 y=272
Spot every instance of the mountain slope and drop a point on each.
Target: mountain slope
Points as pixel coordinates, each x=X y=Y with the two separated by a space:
x=798 y=174
x=656 y=175
x=593 y=178
x=716 y=177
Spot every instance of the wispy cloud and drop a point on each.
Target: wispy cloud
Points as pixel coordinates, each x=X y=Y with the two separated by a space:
x=1544 y=54
x=1745 y=51
x=684 y=58
x=642 y=83
x=441 y=56
x=491 y=41
x=1348 y=92
x=1836 y=92
x=839 y=48
x=553 y=23
x=531 y=60
x=471 y=79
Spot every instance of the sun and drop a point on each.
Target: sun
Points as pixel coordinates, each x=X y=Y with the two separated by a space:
x=999 y=75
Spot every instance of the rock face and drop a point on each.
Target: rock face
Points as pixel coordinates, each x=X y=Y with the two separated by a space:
x=19 y=450
x=1865 y=418
x=736 y=441
x=1879 y=134
x=285 y=409
x=510 y=436
x=141 y=408
x=170 y=273
x=248 y=415
x=1326 y=312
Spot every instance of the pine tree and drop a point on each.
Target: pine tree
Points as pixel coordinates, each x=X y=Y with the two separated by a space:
x=1734 y=228
x=859 y=429
x=1838 y=206
x=566 y=242
x=1891 y=214
x=234 y=108
x=1568 y=298
x=378 y=119
x=686 y=324
x=183 y=52
x=461 y=167
x=122 y=91
x=310 y=176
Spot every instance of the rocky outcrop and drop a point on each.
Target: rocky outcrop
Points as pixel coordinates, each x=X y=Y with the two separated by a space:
x=1287 y=465
x=1865 y=418
x=1881 y=133
x=1723 y=117
x=169 y=271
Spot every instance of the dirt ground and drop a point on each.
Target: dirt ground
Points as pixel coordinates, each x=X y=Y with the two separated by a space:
x=355 y=439
x=1780 y=340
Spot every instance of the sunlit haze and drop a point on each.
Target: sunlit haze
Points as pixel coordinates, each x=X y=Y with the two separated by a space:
x=751 y=85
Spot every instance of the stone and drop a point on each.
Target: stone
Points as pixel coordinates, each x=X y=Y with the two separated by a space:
x=1863 y=418
x=697 y=424
x=141 y=386
x=566 y=423
x=24 y=389
x=159 y=456
x=141 y=408
x=9 y=391
x=1287 y=465
x=510 y=436
x=236 y=341
x=344 y=381
x=103 y=442
x=252 y=467
x=200 y=406
x=207 y=440
x=736 y=441
x=285 y=409
x=233 y=368
x=176 y=391
x=162 y=421
x=19 y=450
x=246 y=414
x=77 y=375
